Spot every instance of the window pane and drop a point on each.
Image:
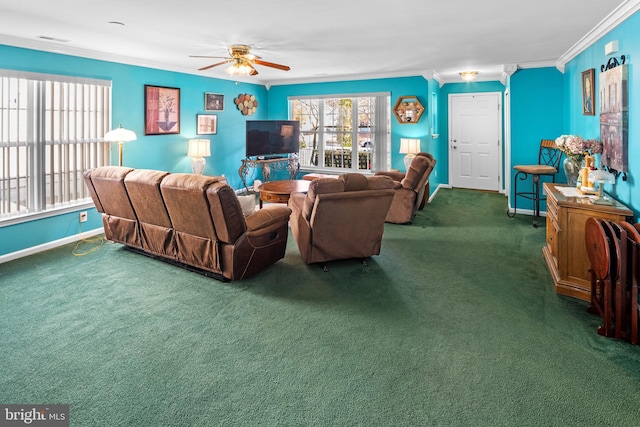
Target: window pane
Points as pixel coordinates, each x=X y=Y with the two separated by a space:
x=43 y=167
x=339 y=132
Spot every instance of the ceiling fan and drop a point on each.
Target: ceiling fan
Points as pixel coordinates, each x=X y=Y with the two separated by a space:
x=242 y=61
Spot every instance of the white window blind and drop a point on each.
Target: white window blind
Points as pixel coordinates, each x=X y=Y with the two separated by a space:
x=51 y=131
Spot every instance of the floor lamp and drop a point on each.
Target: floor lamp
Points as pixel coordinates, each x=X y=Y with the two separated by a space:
x=120 y=135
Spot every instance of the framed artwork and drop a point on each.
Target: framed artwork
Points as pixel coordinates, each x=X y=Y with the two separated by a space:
x=213 y=102
x=161 y=110
x=614 y=118
x=588 y=93
x=206 y=124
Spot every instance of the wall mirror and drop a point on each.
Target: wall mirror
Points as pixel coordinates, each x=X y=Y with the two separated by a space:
x=408 y=109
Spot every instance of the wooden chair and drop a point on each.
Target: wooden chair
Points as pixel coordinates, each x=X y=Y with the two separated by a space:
x=549 y=156
x=601 y=252
x=621 y=312
x=633 y=277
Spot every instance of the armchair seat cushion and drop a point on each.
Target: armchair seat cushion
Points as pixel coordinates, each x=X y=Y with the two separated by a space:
x=536 y=169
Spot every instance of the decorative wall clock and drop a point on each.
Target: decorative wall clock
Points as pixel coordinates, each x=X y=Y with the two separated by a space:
x=247 y=104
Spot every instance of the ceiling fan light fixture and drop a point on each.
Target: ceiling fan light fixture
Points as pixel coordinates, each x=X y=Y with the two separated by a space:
x=239 y=69
x=468 y=76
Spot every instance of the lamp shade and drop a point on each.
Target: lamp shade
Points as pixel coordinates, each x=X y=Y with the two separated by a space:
x=199 y=148
x=286 y=131
x=409 y=146
x=120 y=134
x=239 y=69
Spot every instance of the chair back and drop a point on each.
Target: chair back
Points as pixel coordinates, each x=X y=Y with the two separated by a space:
x=107 y=189
x=341 y=218
x=549 y=154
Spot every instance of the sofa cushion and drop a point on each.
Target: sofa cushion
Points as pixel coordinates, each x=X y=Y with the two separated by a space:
x=143 y=187
x=108 y=184
x=186 y=201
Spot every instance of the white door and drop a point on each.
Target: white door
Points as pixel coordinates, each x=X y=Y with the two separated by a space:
x=474 y=141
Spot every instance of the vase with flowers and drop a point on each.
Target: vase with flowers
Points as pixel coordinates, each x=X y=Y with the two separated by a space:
x=575 y=148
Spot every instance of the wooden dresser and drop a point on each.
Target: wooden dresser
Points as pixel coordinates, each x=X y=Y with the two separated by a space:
x=565 y=251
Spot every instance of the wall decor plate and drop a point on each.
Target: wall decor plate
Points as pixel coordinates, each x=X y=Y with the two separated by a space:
x=247 y=104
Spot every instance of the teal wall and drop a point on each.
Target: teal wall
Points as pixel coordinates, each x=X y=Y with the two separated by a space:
x=163 y=152
x=574 y=122
x=536 y=111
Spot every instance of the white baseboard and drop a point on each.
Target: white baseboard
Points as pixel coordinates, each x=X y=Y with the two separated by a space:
x=49 y=245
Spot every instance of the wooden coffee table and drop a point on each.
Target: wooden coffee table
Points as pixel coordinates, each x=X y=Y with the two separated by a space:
x=279 y=191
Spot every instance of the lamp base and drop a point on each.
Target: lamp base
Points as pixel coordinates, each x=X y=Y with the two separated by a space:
x=407 y=161
x=197 y=165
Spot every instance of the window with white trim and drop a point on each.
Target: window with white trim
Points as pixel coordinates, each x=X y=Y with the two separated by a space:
x=335 y=130
x=51 y=131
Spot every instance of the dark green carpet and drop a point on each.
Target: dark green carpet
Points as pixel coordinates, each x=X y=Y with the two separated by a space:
x=456 y=323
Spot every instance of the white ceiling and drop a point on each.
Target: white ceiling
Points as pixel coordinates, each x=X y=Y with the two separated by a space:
x=321 y=41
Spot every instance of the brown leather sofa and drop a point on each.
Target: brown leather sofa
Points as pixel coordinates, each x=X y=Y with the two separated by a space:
x=192 y=220
x=411 y=188
x=341 y=218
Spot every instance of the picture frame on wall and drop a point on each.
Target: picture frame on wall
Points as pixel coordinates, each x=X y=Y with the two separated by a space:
x=206 y=124
x=161 y=110
x=213 y=102
x=614 y=124
x=588 y=93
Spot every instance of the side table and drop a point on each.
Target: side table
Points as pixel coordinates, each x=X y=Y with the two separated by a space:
x=280 y=191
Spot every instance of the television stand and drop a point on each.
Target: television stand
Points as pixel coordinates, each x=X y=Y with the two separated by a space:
x=268 y=164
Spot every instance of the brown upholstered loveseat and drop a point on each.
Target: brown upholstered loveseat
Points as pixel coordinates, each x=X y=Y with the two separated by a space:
x=193 y=220
x=341 y=218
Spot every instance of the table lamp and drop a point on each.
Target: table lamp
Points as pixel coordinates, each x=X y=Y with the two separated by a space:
x=410 y=147
x=198 y=150
x=120 y=135
x=601 y=177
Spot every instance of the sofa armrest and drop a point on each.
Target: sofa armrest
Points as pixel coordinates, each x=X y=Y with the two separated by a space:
x=396 y=176
x=269 y=215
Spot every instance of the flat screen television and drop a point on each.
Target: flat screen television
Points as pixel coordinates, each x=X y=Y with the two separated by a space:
x=272 y=138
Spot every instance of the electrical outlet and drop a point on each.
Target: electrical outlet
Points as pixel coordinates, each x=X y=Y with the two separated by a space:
x=83 y=216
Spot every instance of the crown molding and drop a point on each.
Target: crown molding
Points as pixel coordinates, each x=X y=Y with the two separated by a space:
x=62 y=49
x=615 y=18
x=507 y=71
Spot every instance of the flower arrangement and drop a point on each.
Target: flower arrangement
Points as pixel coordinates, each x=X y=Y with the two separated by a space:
x=576 y=147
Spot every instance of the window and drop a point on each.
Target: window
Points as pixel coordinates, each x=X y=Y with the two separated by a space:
x=335 y=131
x=51 y=130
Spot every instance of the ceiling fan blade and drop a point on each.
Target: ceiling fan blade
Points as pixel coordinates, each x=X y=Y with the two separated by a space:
x=272 y=65
x=207 y=56
x=215 y=65
x=253 y=70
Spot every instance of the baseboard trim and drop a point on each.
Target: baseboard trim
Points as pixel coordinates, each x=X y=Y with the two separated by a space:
x=49 y=245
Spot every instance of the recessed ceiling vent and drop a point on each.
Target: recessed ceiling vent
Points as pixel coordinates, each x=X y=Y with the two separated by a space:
x=53 y=39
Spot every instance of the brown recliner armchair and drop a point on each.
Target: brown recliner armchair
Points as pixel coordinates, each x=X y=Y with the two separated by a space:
x=411 y=188
x=341 y=218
